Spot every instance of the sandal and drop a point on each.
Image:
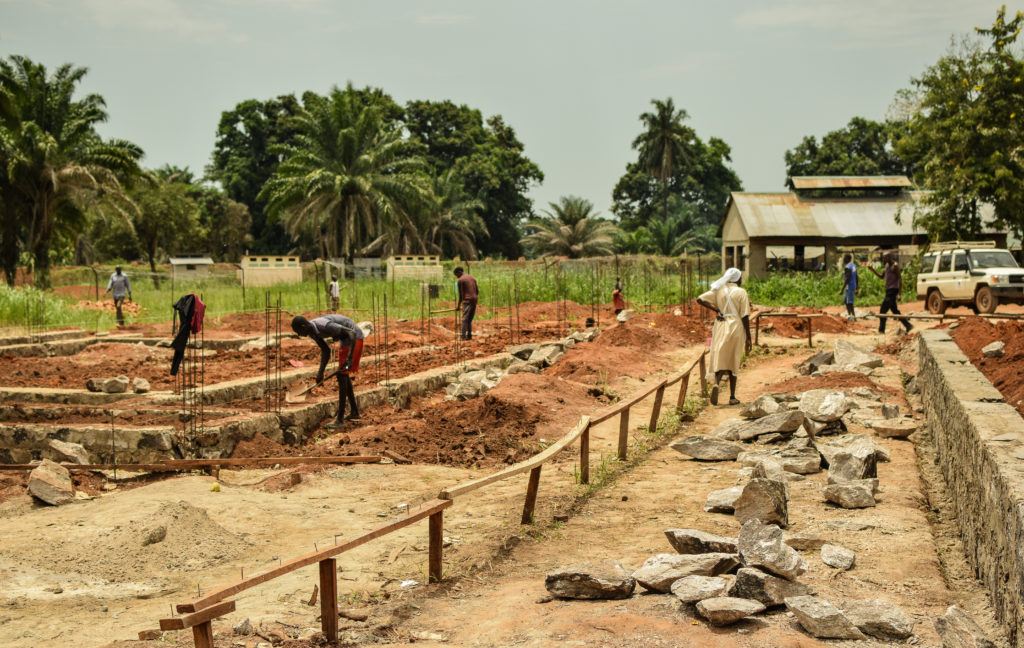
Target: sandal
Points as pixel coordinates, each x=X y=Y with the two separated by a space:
x=714 y=394
x=734 y=401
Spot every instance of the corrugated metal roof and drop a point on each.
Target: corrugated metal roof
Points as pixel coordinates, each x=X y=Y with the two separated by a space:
x=791 y=215
x=849 y=182
x=190 y=261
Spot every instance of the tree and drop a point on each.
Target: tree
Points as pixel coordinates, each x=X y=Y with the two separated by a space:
x=348 y=174
x=167 y=217
x=453 y=222
x=681 y=232
x=572 y=229
x=968 y=132
x=487 y=157
x=862 y=147
x=55 y=162
x=700 y=176
x=665 y=145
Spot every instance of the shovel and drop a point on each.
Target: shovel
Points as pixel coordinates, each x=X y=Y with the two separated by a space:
x=300 y=395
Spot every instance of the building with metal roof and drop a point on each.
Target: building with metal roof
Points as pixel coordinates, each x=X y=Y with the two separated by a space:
x=809 y=227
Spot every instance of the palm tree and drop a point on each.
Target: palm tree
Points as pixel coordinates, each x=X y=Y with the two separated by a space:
x=571 y=228
x=664 y=144
x=54 y=162
x=348 y=175
x=453 y=222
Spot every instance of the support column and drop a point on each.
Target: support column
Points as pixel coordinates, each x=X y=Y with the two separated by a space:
x=329 y=599
x=436 y=558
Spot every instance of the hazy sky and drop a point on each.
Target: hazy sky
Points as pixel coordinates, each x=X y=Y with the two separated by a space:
x=570 y=76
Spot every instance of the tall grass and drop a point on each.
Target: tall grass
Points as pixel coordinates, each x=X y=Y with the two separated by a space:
x=818 y=289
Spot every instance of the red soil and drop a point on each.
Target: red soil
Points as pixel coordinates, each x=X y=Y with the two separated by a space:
x=1005 y=373
x=840 y=380
x=795 y=327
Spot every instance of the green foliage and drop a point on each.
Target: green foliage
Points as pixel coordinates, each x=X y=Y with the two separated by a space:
x=570 y=229
x=862 y=147
x=967 y=128
x=55 y=164
x=167 y=217
x=819 y=289
x=681 y=232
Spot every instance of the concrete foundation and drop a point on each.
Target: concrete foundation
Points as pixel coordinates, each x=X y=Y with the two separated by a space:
x=979 y=442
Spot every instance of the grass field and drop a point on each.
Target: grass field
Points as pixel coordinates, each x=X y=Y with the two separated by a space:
x=647 y=282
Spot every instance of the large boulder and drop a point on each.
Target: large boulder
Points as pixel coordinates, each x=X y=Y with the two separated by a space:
x=784 y=422
x=115 y=385
x=691 y=589
x=855 y=461
x=590 y=582
x=661 y=570
x=761 y=545
x=824 y=405
x=879 y=619
x=815 y=362
x=760 y=407
x=822 y=619
x=723 y=500
x=51 y=483
x=140 y=385
x=730 y=429
x=66 y=452
x=958 y=630
x=801 y=461
x=852 y=356
x=705 y=448
x=838 y=556
x=766 y=588
x=692 y=541
x=851 y=494
x=894 y=428
x=726 y=610
x=764 y=500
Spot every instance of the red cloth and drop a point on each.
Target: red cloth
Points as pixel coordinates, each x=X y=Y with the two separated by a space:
x=617 y=300
x=198 y=312
x=357 y=353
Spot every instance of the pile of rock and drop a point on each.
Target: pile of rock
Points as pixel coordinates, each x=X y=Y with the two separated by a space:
x=845 y=357
x=117 y=385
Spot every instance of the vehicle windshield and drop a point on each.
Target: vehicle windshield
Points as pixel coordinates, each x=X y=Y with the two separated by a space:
x=981 y=259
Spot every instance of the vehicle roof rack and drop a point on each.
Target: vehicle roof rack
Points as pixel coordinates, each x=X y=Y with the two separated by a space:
x=960 y=245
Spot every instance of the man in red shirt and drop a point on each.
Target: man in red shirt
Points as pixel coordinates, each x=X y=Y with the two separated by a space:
x=468 y=295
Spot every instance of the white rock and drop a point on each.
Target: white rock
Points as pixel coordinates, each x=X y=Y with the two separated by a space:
x=838 y=556
x=51 y=483
x=879 y=619
x=140 y=385
x=723 y=500
x=661 y=570
x=994 y=350
x=726 y=610
x=691 y=589
x=822 y=619
x=66 y=452
x=848 y=354
x=762 y=546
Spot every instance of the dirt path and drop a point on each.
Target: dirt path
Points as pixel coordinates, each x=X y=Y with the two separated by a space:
x=896 y=556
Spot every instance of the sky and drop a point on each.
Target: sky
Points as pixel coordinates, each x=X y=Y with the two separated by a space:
x=571 y=76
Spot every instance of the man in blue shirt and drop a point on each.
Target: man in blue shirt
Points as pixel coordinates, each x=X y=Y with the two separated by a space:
x=851 y=286
x=350 y=337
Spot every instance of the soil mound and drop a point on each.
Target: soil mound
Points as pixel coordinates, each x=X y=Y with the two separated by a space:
x=838 y=380
x=189 y=540
x=796 y=328
x=1006 y=373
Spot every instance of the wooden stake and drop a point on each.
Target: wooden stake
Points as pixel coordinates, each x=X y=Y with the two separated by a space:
x=202 y=635
x=585 y=456
x=329 y=599
x=683 y=383
x=757 y=328
x=436 y=551
x=810 y=331
x=656 y=412
x=703 y=376
x=531 y=495
x=623 y=433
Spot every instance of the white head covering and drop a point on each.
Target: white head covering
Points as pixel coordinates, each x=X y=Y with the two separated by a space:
x=732 y=275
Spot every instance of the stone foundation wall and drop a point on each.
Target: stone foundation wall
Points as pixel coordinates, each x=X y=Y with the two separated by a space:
x=979 y=442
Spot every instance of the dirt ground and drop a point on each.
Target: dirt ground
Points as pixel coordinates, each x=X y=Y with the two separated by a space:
x=86 y=573
x=1006 y=372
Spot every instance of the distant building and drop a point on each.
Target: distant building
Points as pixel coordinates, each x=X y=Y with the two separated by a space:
x=808 y=227
x=190 y=267
x=266 y=270
x=415 y=266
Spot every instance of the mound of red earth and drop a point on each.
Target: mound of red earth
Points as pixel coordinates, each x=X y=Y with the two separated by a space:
x=1006 y=373
x=796 y=327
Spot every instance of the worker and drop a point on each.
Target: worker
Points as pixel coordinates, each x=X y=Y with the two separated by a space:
x=893 y=276
x=618 y=301
x=334 y=293
x=350 y=338
x=120 y=288
x=468 y=295
x=851 y=285
x=730 y=336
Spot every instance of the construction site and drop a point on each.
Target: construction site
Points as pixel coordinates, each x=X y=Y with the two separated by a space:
x=561 y=454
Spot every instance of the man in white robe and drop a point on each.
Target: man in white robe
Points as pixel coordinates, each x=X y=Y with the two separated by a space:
x=730 y=337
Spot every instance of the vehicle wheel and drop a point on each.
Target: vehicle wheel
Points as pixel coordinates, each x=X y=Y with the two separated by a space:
x=985 y=301
x=936 y=304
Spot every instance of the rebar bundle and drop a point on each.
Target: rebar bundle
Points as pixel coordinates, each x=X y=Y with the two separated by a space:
x=273 y=387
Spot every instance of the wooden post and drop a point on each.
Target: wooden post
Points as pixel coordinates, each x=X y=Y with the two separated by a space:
x=703 y=376
x=531 y=495
x=585 y=456
x=683 y=383
x=656 y=412
x=436 y=558
x=202 y=635
x=329 y=599
x=810 y=331
x=757 y=328
x=623 y=433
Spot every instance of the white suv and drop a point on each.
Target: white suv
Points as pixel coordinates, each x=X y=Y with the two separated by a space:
x=976 y=275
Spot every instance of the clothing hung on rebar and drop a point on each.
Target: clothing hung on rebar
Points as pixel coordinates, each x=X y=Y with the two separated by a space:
x=191 y=310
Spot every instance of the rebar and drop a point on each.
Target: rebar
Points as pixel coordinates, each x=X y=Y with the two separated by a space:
x=387 y=362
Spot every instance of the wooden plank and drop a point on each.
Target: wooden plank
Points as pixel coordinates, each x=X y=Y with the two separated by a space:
x=329 y=599
x=623 y=434
x=585 y=456
x=611 y=411
x=471 y=485
x=531 y=495
x=195 y=618
x=196 y=464
x=397 y=458
x=435 y=560
x=771 y=314
x=656 y=411
x=413 y=516
x=757 y=328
